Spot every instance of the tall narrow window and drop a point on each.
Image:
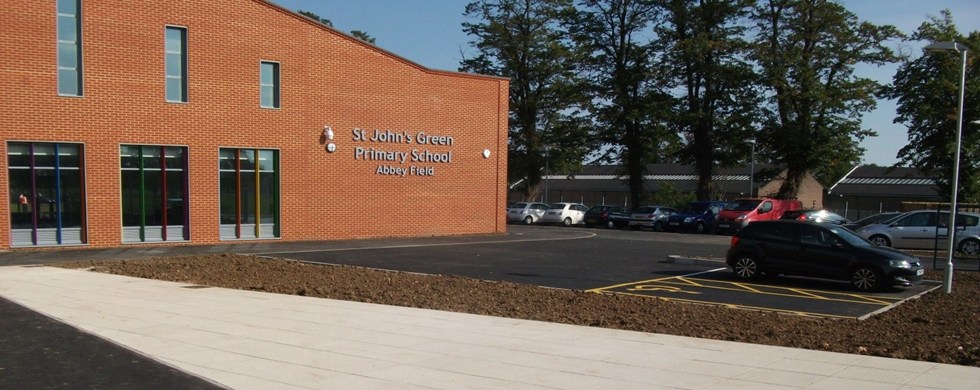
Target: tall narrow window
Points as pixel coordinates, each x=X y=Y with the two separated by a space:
x=46 y=194
x=249 y=192
x=176 y=64
x=269 y=84
x=154 y=193
x=69 y=48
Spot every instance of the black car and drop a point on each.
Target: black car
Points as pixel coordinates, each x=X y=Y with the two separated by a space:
x=608 y=216
x=819 y=250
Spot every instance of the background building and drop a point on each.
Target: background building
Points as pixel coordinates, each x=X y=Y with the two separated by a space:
x=219 y=120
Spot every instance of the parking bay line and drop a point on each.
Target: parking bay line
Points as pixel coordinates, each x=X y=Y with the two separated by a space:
x=677 y=284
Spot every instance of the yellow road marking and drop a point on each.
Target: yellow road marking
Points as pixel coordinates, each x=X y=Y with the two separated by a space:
x=745 y=307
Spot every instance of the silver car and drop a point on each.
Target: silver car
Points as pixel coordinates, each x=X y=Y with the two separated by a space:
x=526 y=212
x=651 y=217
x=926 y=229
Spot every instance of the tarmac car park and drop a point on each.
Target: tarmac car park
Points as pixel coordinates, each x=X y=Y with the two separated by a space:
x=606 y=261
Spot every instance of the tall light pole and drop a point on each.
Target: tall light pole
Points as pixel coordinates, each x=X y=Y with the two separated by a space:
x=547 y=159
x=752 y=173
x=951 y=228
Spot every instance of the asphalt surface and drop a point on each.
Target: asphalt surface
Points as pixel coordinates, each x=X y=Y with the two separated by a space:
x=39 y=352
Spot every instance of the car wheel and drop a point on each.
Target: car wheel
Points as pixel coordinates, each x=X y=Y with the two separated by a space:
x=567 y=222
x=866 y=278
x=699 y=228
x=746 y=267
x=658 y=226
x=528 y=220
x=970 y=247
x=880 y=240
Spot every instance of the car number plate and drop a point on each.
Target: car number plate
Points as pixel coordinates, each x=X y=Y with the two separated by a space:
x=920 y=272
x=723 y=225
x=675 y=223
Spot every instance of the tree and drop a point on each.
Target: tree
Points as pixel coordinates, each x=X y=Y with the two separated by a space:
x=630 y=104
x=523 y=40
x=927 y=90
x=355 y=33
x=807 y=51
x=706 y=57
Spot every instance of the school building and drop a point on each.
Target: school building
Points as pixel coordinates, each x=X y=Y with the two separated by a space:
x=207 y=121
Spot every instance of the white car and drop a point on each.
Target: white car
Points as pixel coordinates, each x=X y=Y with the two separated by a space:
x=565 y=213
x=526 y=212
x=926 y=229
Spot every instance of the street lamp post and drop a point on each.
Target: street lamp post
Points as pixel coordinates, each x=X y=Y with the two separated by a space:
x=547 y=159
x=752 y=172
x=951 y=228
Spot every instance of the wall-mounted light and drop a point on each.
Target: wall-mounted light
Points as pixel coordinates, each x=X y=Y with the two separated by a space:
x=328 y=133
x=486 y=153
x=331 y=147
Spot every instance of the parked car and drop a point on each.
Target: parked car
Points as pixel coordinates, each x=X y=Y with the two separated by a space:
x=651 y=217
x=607 y=216
x=819 y=250
x=565 y=213
x=696 y=216
x=526 y=212
x=926 y=229
x=819 y=216
x=872 y=219
x=741 y=212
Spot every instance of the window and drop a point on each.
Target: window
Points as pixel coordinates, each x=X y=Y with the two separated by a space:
x=154 y=193
x=269 y=85
x=69 y=48
x=249 y=193
x=46 y=194
x=176 y=64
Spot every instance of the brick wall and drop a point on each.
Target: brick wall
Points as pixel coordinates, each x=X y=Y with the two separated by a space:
x=327 y=79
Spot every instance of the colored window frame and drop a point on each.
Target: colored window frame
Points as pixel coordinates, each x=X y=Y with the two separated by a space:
x=176 y=64
x=69 y=47
x=47 y=194
x=269 y=84
x=154 y=193
x=248 y=193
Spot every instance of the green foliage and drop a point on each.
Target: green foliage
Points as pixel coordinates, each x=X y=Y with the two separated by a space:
x=362 y=36
x=668 y=195
x=525 y=41
x=807 y=51
x=706 y=56
x=631 y=105
x=927 y=90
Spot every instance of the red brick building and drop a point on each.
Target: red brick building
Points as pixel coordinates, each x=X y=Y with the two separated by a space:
x=204 y=121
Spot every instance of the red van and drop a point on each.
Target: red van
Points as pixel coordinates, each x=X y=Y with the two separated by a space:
x=740 y=212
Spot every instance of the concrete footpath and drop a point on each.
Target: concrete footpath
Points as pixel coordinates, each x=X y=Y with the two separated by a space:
x=251 y=340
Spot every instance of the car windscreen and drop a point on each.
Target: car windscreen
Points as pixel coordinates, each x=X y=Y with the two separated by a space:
x=519 y=205
x=645 y=210
x=743 y=205
x=557 y=206
x=850 y=237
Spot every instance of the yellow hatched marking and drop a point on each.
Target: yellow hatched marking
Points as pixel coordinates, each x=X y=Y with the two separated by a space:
x=745 y=307
x=745 y=286
x=804 y=292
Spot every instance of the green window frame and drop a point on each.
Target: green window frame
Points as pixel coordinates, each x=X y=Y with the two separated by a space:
x=269 y=84
x=176 y=64
x=155 y=194
x=69 y=47
x=47 y=194
x=249 y=193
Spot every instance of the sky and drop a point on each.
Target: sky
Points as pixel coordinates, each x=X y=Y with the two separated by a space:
x=429 y=32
